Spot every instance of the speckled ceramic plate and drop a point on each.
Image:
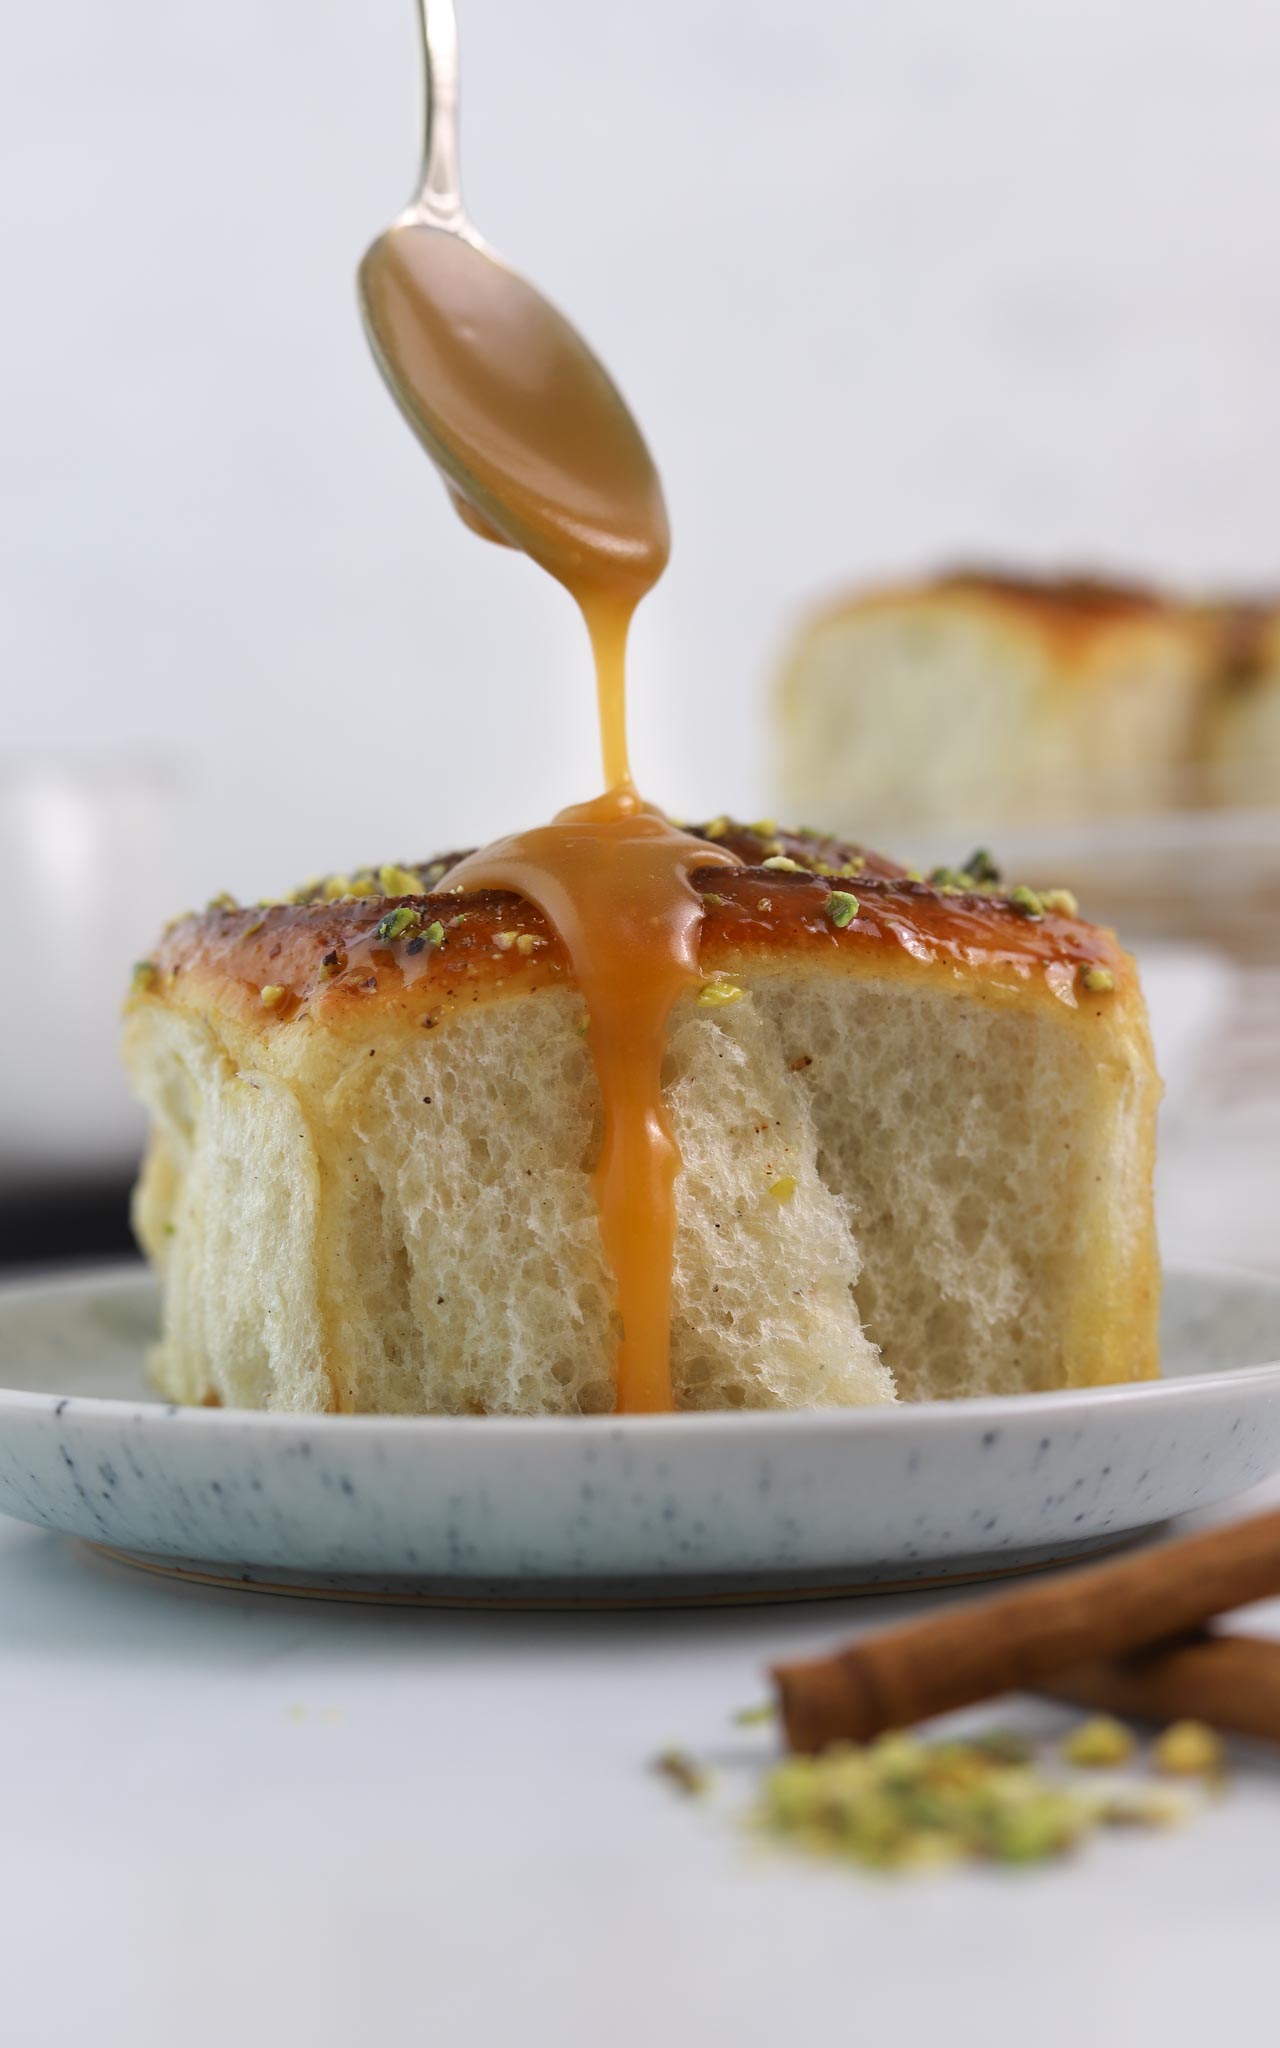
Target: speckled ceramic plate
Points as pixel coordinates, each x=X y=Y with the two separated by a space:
x=666 y=1508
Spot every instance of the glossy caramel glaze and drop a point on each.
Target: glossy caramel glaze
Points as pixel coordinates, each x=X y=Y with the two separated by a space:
x=334 y=968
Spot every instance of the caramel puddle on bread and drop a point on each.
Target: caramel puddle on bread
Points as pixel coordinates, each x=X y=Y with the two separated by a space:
x=539 y=453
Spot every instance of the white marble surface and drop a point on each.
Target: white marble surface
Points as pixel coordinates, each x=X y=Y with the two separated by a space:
x=236 y=1819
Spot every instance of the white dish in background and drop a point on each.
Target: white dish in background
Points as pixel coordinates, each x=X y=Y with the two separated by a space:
x=667 y=1508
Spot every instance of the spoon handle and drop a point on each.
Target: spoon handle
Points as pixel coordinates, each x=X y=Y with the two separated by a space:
x=439 y=196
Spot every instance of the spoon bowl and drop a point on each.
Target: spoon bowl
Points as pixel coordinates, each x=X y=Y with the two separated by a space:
x=532 y=437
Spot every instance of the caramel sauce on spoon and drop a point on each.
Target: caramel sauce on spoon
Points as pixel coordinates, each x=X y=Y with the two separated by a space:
x=539 y=451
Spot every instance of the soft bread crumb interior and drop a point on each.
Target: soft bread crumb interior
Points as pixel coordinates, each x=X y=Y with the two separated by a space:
x=879 y=1182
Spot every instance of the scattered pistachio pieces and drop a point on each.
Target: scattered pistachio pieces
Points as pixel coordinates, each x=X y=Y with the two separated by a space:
x=1141 y=1806
x=680 y=1769
x=145 y=975
x=1062 y=902
x=1189 y=1749
x=712 y=901
x=336 y=887
x=272 y=995
x=251 y=930
x=899 y=1803
x=783 y=864
x=783 y=1188
x=1026 y=901
x=504 y=941
x=717 y=829
x=713 y=995
x=526 y=942
x=766 y=827
x=398 y=881
x=1098 y=980
x=434 y=933
x=397 y=923
x=224 y=900
x=841 y=907
x=906 y=1803
x=755 y=1717
x=1099 y=1744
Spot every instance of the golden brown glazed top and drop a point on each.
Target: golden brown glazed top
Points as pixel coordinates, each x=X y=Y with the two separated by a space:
x=1096 y=600
x=342 y=957
x=1071 y=614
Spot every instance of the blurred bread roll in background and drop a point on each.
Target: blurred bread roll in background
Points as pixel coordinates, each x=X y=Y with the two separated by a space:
x=1008 y=700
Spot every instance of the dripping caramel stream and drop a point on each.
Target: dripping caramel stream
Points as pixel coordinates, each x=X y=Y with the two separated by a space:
x=538 y=451
x=614 y=878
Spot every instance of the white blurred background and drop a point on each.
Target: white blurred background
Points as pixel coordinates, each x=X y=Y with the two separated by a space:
x=887 y=282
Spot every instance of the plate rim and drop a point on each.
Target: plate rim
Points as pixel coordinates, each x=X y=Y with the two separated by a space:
x=699 y=1425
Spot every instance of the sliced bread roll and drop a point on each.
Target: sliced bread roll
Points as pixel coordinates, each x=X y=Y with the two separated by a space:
x=916 y=1126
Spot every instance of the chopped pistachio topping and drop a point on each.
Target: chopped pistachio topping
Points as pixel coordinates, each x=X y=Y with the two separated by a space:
x=1190 y=1749
x=1026 y=901
x=272 y=995
x=336 y=887
x=398 y=881
x=397 y=923
x=713 y=995
x=434 y=934
x=251 y=930
x=765 y=903
x=717 y=829
x=853 y=867
x=783 y=864
x=1062 y=902
x=783 y=1188
x=680 y=1769
x=841 y=907
x=1099 y=1744
x=504 y=941
x=755 y=1717
x=145 y=975
x=1098 y=980
x=224 y=900
x=767 y=828
x=952 y=881
x=983 y=869
x=527 y=941
x=712 y=901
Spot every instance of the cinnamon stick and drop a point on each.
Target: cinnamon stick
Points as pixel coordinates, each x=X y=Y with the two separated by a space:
x=1233 y=1682
x=1012 y=1642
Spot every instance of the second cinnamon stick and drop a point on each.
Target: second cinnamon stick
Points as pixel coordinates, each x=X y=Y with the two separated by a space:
x=1233 y=1682
x=1012 y=1642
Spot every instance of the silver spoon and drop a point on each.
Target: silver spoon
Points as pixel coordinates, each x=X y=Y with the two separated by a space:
x=533 y=439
